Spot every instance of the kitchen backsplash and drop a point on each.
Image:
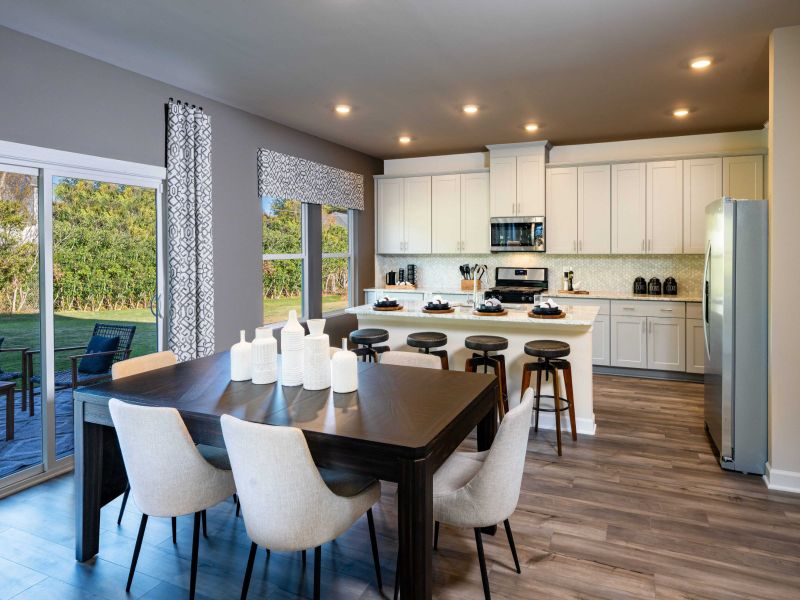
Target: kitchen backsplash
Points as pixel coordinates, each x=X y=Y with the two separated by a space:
x=603 y=273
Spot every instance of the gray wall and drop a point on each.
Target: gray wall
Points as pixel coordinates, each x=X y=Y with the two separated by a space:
x=53 y=97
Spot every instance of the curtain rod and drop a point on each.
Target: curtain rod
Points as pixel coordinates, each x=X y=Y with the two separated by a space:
x=185 y=104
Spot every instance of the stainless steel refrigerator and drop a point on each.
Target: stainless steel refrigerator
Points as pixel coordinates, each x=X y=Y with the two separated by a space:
x=735 y=325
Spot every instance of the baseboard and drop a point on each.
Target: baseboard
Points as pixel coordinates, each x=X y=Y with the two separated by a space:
x=782 y=481
x=547 y=421
x=648 y=373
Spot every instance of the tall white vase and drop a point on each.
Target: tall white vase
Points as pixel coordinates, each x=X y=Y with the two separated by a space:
x=292 y=344
x=264 y=354
x=240 y=359
x=344 y=370
x=316 y=357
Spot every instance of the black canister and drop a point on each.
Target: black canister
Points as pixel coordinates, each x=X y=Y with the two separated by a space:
x=639 y=286
x=654 y=286
x=670 y=287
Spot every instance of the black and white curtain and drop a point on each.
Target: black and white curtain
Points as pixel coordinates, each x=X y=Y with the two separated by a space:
x=190 y=250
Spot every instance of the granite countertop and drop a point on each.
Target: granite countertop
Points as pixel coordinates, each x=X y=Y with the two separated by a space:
x=578 y=316
x=423 y=290
x=627 y=296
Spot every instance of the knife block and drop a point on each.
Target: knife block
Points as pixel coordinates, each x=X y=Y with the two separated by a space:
x=466 y=285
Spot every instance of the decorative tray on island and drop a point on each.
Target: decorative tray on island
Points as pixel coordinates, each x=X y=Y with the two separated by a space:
x=547 y=315
x=441 y=309
x=387 y=308
x=489 y=313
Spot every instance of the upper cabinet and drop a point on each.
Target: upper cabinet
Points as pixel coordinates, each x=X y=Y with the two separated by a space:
x=743 y=177
x=530 y=186
x=562 y=210
x=594 y=209
x=390 y=213
x=702 y=185
x=628 y=208
x=403 y=207
x=445 y=205
x=517 y=181
x=503 y=186
x=460 y=210
x=665 y=207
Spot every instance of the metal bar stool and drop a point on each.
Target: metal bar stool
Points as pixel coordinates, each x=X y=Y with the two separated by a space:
x=550 y=356
x=486 y=344
x=366 y=339
x=425 y=340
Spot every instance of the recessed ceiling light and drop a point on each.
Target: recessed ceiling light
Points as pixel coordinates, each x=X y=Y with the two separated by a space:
x=404 y=139
x=680 y=112
x=531 y=127
x=470 y=109
x=700 y=63
x=343 y=109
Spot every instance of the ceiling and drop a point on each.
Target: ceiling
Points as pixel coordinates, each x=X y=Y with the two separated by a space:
x=585 y=70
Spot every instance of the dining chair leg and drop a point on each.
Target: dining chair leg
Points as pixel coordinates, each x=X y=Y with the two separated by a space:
x=511 y=543
x=397 y=576
x=248 y=572
x=136 y=550
x=174 y=530
x=195 y=544
x=205 y=531
x=317 y=570
x=374 y=542
x=267 y=552
x=304 y=558
x=436 y=535
x=482 y=560
x=236 y=500
x=124 y=502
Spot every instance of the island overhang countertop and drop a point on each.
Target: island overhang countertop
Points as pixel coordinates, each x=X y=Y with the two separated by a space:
x=577 y=316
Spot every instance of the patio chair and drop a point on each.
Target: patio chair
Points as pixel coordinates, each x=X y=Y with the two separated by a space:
x=82 y=372
x=12 y=375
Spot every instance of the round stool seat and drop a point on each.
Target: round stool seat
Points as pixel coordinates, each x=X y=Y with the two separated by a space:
x=369 y=336
x=486 y=343
x=547 y=349
x=426 y=339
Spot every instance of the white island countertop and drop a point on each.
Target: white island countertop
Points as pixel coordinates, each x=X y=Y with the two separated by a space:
x=577 y=316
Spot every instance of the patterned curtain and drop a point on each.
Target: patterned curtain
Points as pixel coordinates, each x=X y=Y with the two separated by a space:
x=189 y=245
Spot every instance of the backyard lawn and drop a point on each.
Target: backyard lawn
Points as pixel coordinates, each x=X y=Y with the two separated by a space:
x=277 y=309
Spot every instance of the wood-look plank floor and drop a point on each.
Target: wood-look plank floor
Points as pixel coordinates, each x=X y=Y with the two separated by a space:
x=639 y=511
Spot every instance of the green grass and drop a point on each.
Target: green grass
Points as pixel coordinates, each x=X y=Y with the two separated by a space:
x=276 y=309
x=72 y=328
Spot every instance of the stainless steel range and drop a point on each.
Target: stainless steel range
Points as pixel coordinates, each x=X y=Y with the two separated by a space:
x=518 y=285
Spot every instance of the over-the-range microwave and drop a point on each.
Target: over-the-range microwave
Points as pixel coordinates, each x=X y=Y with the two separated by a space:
x=517 y=234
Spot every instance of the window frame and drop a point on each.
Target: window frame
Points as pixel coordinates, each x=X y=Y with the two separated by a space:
x=350 y=256
x=302 y=257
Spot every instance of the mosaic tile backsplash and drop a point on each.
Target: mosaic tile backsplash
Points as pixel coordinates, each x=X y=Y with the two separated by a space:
x=602 y=273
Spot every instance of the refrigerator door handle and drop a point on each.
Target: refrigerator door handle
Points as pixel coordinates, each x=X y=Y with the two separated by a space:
x=705 y=300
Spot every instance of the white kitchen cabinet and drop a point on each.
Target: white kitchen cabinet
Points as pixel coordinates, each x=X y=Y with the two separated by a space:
x=629 y=342
x=446 y=214
x=665 y=207
x=601 y=344
x=628 y=208
x=530 y=186
x=562 y=210
x=503 y=183
x=475 y=213
x=417 y=223
x=743 y=177
x=666 y=344
x=702 y=185
x=594 y=209
x=695 y=346
x=404 y=215
x=391 y=216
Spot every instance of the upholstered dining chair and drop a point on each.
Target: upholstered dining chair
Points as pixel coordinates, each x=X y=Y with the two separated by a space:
x=411 y=359
x=288 y=504
x=168 y=476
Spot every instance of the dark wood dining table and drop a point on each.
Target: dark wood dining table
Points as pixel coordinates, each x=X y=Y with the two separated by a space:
x=400 y=426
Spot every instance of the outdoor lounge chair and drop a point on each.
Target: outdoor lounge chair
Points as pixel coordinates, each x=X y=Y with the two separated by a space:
x=12 y=375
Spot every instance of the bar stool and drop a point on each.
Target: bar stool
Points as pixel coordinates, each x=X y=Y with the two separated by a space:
x=425 y=340
x=366 y=338
x=486 y=344
x=550 y=356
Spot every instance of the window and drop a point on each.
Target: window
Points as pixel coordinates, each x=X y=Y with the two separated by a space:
x=335 y=258
x=283 y=257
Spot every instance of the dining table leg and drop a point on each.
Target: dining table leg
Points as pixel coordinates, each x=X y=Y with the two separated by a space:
x=415 y=504
x=88 y=472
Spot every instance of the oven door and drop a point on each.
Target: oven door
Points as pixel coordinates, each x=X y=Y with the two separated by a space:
x=517 y=234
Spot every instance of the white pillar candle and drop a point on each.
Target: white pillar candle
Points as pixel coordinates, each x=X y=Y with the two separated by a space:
x=344 y=370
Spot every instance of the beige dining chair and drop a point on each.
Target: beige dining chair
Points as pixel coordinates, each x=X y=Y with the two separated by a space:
x=411 y=359
x=288 y=504
x=141 y=364
x=168 y=476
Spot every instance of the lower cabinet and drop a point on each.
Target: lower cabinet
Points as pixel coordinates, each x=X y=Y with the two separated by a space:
x=695 y=346
x=629 y=342
x=666 y=344
x=600 y=340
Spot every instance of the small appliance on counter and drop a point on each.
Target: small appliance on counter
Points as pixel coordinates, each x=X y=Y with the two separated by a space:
x=654 y=286
x=670 y=287
x=639 y=286
x=518 y=285
x=391 y=278
x=401 y=275
x=411 y=274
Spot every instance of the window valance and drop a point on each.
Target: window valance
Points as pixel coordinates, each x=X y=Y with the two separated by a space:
x=284 y=176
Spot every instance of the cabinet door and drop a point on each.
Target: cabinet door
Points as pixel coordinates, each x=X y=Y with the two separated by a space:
x=743 y=177
x=702 y=184
x=561 y=225
x=594 y=209
x=475 y=228
x=417 y=218
x=695 y=346
x=629 y=342
x=666 y=344
x=503 y=184
x=446 y=214
x=530 y=186
x=391 y=227
x=628 y=208
x=665 y=207
x=601 y=344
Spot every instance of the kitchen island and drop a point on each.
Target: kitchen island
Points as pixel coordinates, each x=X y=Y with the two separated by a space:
x=518 y=328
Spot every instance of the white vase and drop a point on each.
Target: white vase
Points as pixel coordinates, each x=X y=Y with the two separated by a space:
x=240 y=359
x=264 y=357
x=292 y=344
x=316 y=357
x=344 y=370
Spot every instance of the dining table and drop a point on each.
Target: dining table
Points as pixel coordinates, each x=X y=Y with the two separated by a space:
x=400 y=425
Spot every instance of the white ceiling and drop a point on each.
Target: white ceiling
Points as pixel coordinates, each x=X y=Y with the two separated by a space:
x=586 y=70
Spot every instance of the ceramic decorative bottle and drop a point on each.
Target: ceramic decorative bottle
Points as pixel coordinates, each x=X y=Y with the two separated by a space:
x=316 y=357
x=344 y=370
x=264 y=357
x=240 y=359
x=292 y=336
